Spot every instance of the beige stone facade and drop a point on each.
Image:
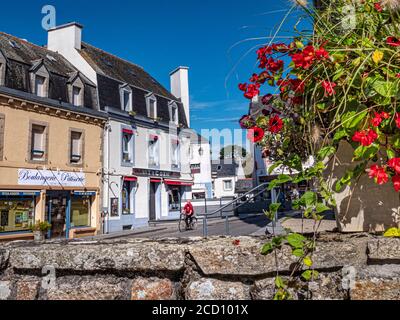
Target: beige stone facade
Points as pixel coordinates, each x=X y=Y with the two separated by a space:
x=53 y=180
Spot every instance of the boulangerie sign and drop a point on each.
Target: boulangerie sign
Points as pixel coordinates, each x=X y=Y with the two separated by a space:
x=50 y=178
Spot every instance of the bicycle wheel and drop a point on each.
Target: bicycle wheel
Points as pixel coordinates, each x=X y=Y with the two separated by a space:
x=194 y=223
x=182 y=224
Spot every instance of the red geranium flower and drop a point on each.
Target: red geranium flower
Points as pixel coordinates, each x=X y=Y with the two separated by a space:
x=255 y=134
x=243 y=86
x=385 y=115
x=275 y=124
x=396 y=182
x=377 y=120
x=236 y=242
x=329 y=88
x=252 y=91
x=398 y=120
x=379 y=174
x=395 y=164
x=366 y=138
x=393 y=41
x=378 y=6
x=297 y=85
x=254 y=77
x=398 y=75
x=264 y=51
x=321 y=53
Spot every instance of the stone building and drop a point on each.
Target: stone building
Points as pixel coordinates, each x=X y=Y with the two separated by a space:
x=50 y=143
x=146 y=150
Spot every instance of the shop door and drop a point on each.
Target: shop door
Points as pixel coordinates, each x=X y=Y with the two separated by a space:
x=58 y=214
x=152 y=199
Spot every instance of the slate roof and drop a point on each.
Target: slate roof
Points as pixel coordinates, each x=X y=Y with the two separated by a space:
x=196 y=138
x=224 y=168
x=23 y=56
x=113 y=71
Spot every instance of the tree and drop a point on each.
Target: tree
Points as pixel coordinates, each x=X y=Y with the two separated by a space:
x=233 y=152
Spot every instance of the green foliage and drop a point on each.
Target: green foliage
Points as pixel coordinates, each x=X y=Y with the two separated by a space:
x=392 y=233
x=40 y=226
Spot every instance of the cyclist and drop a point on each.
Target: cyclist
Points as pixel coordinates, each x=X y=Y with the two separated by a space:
x=188 y=211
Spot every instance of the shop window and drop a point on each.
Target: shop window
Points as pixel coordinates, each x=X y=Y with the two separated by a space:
x=174 y=195
x=154 y=152
x=38 y=143
x=228 y=186
x=16 y=214
x=114 y=204
x=80 y=211
x=199 y=195
x=127 y=146
x=76 y=156
x=128 y=197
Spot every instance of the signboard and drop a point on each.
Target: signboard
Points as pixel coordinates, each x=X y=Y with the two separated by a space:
x=50 y=178
x=155 y=173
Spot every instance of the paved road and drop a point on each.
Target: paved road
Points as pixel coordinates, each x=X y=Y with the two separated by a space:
x=237 y=227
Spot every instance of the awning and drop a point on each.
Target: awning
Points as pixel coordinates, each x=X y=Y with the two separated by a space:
x=178 y=183
x=131 y=179
x=128 y=131
x=154 y=180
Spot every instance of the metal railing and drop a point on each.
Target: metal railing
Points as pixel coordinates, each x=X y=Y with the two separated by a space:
x=252 y=194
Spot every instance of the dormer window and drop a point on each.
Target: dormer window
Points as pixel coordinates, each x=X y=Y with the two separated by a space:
x=126 y=98
x=76 y=89
x=173 y=113
x=39 y=79
x=151 y=102
x=3 y=64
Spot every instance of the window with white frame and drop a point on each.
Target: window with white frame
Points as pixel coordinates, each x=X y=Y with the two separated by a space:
x=38 y=143
x=228 y=186
x=40 y=89
x=154 y=151
x=76 y=156
x=151 y=102
x=127 y=146
x=77 y=96
x=127 y=100
x=2 y=71
x=175 y=154
x=173 y=113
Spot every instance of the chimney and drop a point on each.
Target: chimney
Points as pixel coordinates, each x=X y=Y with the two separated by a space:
x=65 y=38
x=180 y=88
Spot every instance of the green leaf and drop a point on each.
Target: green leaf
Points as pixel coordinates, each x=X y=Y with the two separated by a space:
x=274 y=207
x=339 y=135
x=326 y=152
x=267 y=248
x=320 y=208
x=279 y=283
x=351 y=119
x=366 y=153
x=296 y=240
x=390 y=153
x=308 y=262
x=392 y=233
x=274 y=166
x=309 y=274
x=309 y=198
x=385 y=88
x=298 y=252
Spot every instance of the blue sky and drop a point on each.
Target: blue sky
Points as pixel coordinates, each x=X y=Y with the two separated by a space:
x=160 y=35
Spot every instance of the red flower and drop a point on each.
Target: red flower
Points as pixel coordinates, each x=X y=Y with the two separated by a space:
x=393 y=41
x=396 y=182
x=275 y=124
x=254 y=77
x=366 y=138
x=378 y=6
x=236 y=242
x=305 y=58
x=243 y=86
x=252 y=91
x=329 y=88
x=255 y=134
x=274 y=65
x=398 y=75
x=398 y=120
x=297 y=100
x=377 y=120
x=297 y=85
x=263 y=51
x=385 y=115
x=395 y=164
x=379 y=174
x=321 y=53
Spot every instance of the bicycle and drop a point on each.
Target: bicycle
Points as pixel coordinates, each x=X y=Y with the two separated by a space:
x=182 y=223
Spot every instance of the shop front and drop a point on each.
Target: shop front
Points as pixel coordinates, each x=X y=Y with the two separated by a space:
x=176 y=190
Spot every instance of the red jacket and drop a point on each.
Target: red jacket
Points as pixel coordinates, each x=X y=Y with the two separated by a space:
x=188 y=209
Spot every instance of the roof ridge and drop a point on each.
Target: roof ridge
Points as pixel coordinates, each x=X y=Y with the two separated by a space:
x=115 y=56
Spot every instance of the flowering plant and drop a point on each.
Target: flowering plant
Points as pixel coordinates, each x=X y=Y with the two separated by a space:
x=339 y=82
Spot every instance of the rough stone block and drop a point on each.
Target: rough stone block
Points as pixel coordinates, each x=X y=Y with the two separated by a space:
x=27 y=288
x=384 y=250
x=5 y=290
x=4 y=256
x=212 y=289
x=376 y=289
x=152 y=289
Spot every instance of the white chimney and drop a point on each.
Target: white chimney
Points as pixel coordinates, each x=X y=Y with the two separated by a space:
x=67 y=41
x=180 y=88
x=65 y=36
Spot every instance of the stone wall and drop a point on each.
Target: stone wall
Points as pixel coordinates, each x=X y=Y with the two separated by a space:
x=351 y=267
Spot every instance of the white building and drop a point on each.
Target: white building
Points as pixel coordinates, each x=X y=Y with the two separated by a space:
x=224 y=176
x=200 y=163
x=147 y=173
